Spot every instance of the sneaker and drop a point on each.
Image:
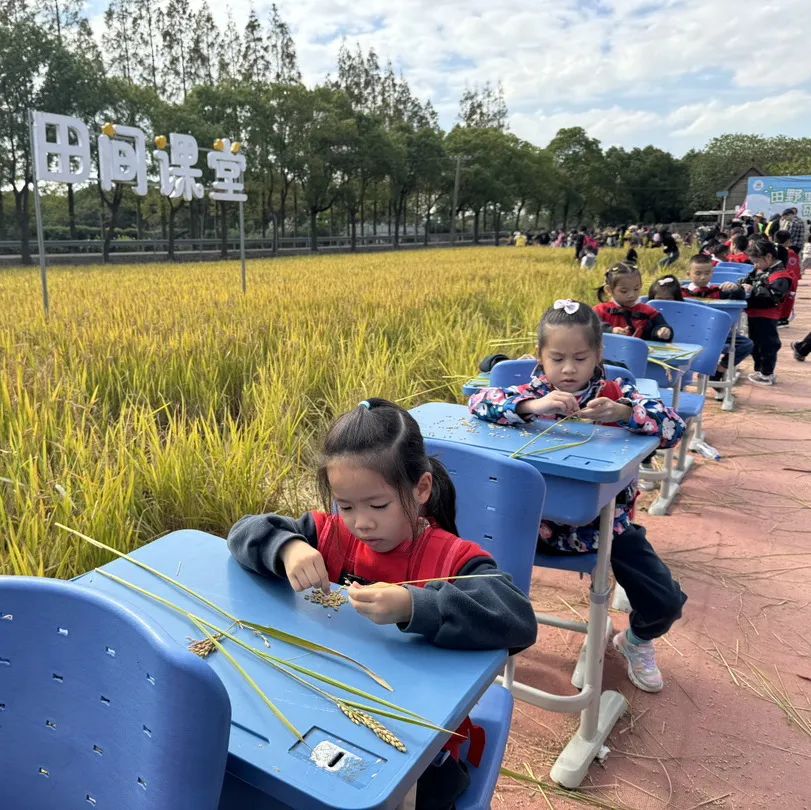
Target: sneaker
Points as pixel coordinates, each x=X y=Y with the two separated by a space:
x=719 y=395
x=797 y=356
x=762 y=379
x=641 y=658
x=782 y=323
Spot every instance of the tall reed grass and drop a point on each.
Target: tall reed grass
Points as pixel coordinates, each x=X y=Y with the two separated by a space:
x=159 y=397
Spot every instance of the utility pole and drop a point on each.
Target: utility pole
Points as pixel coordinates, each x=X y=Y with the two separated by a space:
x=455 y=198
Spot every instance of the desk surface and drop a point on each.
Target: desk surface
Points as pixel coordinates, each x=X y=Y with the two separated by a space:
x=608 y=455
x=674 y=353
x=262 y=752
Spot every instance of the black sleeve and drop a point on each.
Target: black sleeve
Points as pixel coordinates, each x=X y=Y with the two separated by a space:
x=256 y=540
x=769 y=295
x=656 y=323
x=474 y=614
x=735 y=295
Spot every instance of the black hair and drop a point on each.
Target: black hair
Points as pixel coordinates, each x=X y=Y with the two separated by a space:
x=631 y=257
x=762 y=248
x=583 y=316
x=721 y=249
x=386 y=438
x=740 y=242
x=782 y=237
x=614 y=274
x=700 y=258
x=666 y=284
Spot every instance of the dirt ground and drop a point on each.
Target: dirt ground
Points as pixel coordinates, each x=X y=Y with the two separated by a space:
x=732 y=727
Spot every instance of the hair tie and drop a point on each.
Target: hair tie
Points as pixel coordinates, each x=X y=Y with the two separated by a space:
x=365 y=404
x=567 y=305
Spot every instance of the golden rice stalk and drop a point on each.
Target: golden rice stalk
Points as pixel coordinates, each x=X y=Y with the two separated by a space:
x=360 y=718
x=204 y=647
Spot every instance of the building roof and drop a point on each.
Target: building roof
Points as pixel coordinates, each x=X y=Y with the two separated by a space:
x=752 y=171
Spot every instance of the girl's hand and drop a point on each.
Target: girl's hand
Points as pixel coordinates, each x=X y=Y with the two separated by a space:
x=603 y=409
x=383 y=604
x=560 y=402
x=621 y=330
x=304 y=566
x=729 y=286
x=664 y=333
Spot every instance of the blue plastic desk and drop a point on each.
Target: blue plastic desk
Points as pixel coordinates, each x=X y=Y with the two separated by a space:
x=266 y=766
x=735 y=309
x=581 y=483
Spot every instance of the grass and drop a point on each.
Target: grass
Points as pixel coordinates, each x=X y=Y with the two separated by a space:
x=159 y=397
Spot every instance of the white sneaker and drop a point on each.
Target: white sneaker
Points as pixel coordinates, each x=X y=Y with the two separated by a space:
x=762 y=379
x=641 y=658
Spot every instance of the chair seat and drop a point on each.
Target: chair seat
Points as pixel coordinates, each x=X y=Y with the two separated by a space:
x=691 y=406
x=581 y=563
x=493 y=713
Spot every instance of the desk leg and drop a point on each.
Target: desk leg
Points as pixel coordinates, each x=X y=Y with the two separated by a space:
x=729 y=400
x=603 y=710
x=669 y=488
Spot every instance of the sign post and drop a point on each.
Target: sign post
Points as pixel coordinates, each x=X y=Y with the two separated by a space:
x=43 y=266
x=722 y=195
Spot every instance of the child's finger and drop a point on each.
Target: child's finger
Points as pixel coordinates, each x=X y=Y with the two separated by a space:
x=317 y=573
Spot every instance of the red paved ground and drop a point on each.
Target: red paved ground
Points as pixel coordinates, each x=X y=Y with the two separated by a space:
x=739 y=538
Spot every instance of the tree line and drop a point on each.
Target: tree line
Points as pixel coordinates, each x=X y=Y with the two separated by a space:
x=352 y=154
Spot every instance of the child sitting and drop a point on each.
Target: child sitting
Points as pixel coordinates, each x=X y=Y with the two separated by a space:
x=766 y=287
x=395 y=520
x=738 y=251
x=666 y=288
x=623 y=314
x=700 y=273
x=572 y=381
x=589 y=259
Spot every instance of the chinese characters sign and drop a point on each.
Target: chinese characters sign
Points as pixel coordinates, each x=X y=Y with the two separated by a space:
x=772 y=195
x=62 y=155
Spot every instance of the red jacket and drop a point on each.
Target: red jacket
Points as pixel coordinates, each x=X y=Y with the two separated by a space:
x=793 y=269
x=435 y=553
x=740 y=258
x=770 y=290
x=642 y=319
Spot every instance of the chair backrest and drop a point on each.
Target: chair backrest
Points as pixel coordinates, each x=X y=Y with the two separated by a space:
x=499 y=502
x=631 y=351
x=519 y=372
x=720 y=276
x=700 y=324
x=744 y=269
x=512 y=372
x=97 y=708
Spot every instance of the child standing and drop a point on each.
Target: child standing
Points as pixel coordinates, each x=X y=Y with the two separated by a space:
x=791 y=261
x=766 y=287
x=623 y=314
x=569 y=354
x=395 y=521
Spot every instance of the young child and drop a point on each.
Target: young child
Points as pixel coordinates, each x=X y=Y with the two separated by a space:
x=766 y=287
x=632 y=257
x=589 y=259
x=791 y=261
x=666 y=288
x=739 y=245
x=700 y=273
x=395 y=520
x=569 y=356
x=623 y=314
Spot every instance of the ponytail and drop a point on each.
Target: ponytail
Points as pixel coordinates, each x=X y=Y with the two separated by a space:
x=441 y=505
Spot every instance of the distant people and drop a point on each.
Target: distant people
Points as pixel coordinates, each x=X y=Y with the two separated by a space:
x=589 y=259
x=670 y=248
x=579 y=243
x=632 y=257
x=796 y=229
x=739 y=246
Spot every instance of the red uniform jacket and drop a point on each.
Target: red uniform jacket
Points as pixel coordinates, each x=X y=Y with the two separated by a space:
x=642 y=319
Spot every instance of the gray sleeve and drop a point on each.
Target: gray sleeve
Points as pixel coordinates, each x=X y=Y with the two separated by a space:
x=474 y=614
x=256 y=540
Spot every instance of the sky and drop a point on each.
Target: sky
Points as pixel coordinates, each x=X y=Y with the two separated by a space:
x=630 y=72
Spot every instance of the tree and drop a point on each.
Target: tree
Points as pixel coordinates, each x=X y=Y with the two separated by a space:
x=254 y=63
x=119 y=19
x=177 y=33
x=580 y=162
x=282 y=50
x=483 y=107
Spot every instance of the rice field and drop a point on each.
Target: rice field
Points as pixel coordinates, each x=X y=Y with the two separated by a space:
x=160 y=397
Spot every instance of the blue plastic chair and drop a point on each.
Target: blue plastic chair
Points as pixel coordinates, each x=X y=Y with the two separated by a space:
x=744 y=269
x=512 y=372
x=722 y=276
x=707 y=327
x=499 y=502
x=631 y=351
x=98 y=708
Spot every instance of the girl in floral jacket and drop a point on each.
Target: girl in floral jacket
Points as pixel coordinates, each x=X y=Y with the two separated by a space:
x=570 y=379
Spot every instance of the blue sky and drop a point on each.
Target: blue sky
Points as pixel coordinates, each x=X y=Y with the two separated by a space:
x=631 y=72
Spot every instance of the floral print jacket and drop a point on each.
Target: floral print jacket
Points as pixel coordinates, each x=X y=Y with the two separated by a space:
x=649 y=416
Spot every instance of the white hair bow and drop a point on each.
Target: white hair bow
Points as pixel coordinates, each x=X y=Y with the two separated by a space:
x=669 y=279
x=567 y=305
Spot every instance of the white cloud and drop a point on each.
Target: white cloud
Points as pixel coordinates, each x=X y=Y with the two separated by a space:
x=631 y=71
